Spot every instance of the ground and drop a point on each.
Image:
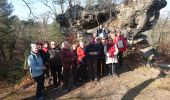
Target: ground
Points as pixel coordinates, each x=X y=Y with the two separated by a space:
x=143 y=83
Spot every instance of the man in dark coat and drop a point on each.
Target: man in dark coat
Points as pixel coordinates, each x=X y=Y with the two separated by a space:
x=55 y=63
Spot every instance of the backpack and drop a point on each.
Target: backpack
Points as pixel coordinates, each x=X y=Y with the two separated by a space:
x=26 y=66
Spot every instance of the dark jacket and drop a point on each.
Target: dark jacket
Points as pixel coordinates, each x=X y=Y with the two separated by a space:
x=55 y=56
x=101 y=50
x=45 y=56
x=66 y=58
x=91 y=48
x=101 y=31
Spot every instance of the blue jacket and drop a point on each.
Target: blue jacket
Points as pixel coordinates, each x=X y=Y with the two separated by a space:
x=35 y=64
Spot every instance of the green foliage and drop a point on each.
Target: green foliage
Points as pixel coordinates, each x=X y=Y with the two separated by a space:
x=14 y=75
x=55 y=33
x=7 y=31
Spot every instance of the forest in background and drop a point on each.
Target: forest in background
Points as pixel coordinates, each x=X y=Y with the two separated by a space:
x=17 y=35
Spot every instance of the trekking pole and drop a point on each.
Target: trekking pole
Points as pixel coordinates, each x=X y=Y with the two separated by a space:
x=101 y=68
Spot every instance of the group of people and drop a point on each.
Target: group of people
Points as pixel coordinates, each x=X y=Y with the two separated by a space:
x=81 y=62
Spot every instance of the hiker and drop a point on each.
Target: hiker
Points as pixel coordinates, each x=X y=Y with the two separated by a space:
x=81 y=63
x=55 y=64
x=111 y=52
x=121 y=44
x=101 y=32
x=101 y=57
x=91 y=53
x=74 y=64
x=36 y=68
x=45 y=57
x=67 y=59
x=104 y=43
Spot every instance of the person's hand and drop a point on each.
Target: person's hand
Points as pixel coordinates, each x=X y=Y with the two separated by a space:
x=108 y=54
x=95 y=53
x=43 y=68
x=90 y=53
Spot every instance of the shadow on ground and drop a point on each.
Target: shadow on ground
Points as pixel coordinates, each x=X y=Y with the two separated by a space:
x=132 y=93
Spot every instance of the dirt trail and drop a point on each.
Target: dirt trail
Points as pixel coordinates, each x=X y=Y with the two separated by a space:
x=141 y=84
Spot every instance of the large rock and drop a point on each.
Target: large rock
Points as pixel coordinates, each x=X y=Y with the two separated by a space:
x=134 y=16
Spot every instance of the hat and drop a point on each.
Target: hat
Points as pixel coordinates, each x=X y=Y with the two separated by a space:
x=33 y=46
x=38 y=43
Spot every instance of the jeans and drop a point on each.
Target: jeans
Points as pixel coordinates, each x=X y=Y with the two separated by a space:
x=66 y=75
x=40 y=86
x=56 y=73
x=120 y=62
x=92 y=69
x=111 y=68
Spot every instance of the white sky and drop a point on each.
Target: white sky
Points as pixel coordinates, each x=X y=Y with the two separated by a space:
x=21 y=10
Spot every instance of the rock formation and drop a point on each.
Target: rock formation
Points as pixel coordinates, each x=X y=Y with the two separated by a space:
x=134 y=16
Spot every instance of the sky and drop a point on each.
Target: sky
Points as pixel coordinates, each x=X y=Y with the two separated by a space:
x=22 y=11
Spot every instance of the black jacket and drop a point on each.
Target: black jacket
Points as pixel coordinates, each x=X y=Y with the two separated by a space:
x=55 y=56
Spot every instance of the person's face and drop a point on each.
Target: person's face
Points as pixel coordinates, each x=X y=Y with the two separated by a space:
x=81 y=45
x=103 y=41
x=39 y=47
x=35 y=49
x=45 y=45
x=98 y=41
x=118 y=32
x=101 y=26
x=90 y=40
x=52 y=45
x=94 y=35
x=110 y=41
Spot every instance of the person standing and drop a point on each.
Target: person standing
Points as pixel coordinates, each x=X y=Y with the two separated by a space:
x=67 y=58
x=111 y=52
x=36 y=68
x=74 y=64
x=45 y=57
x=55 y=64
x=121 y=44
x=81 y=63
x=91 y=54
x=101 y=32
x=101 y=57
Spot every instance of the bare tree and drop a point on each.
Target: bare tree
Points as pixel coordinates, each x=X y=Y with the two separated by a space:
x=30 y=9
x=44 y=26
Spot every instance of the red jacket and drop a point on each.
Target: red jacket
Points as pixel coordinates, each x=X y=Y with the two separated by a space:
x=67 y=58
x=120 y=38
x=80 y=54
x=110 y=50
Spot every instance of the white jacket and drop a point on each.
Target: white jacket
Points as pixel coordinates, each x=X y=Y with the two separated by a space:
x=110 y=60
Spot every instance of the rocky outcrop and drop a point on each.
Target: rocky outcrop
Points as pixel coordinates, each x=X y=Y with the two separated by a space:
x=133 y=16
x=137 y=16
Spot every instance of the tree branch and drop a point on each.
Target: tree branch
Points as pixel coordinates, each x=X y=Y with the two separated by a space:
x=31 y=12
x=46 y=4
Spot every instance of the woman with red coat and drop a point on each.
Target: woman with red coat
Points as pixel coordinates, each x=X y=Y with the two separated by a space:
x=82 y=68
x=111 y=52
x=121 y=44
x=67 y=59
